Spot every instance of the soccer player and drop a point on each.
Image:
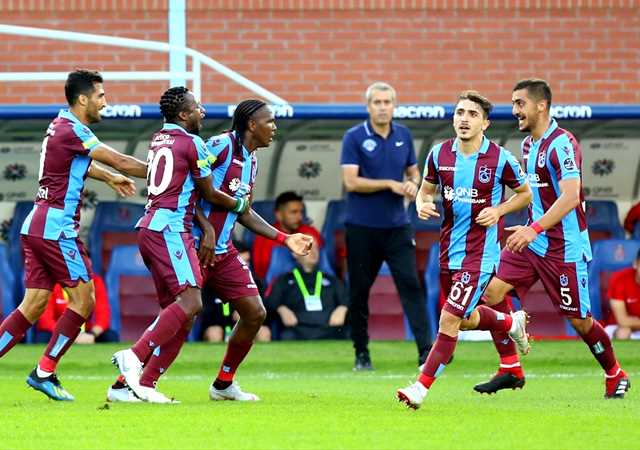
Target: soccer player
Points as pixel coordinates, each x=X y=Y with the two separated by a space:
x=49 y=235
x=472 y=172
x=234 y=171
x=179 y=163
x=554 y=247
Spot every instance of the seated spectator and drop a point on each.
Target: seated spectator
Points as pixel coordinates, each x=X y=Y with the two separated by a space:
x=624 y=300
x=311 y=305
x=288 y=210
x=218 y=318
x=96 y=329
x=632 y=218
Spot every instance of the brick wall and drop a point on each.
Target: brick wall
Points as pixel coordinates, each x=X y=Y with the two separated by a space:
x=329 y=51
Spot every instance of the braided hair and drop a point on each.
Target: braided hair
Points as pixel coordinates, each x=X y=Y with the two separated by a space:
x=173 y=102
x=242 y=114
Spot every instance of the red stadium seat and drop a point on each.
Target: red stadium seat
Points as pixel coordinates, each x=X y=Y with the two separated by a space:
x=386 y=318
x=138 y=305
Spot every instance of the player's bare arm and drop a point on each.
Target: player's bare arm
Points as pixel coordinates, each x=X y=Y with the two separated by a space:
x=122 y=163
x=206 y=252
x=354 y=183
x=425 y=205
x=623 y=319
x=298 y=243
x=569 y=199
x=412 y=181
x=125 y=187
x=491 y=215
x=216 y=197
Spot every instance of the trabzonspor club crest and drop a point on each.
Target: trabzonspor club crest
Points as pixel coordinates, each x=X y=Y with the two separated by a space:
x=484 y=174
x=564 y=280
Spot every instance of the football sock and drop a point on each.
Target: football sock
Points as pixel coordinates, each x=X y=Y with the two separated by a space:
x=490 y=319
x=601 y=348
x=438 y=358
x=235 y=354
x=12 y=331
x=509 y=359
x=169 y=322
x=162 y=358
x=64 y=335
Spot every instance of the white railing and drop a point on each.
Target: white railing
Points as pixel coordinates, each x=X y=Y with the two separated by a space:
x=198 y=59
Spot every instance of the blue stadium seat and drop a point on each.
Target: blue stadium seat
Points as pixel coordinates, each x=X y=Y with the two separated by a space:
x=603 y=220
x=432 y=287
x=15 y=258
x=7 y=281
x=113 y=224
x=265 y=208
x=282 y=262
x=132 y=295
x=333 y=234
x=608 y=256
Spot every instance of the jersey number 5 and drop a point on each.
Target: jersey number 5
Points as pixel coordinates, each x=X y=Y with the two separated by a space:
x=153 y=162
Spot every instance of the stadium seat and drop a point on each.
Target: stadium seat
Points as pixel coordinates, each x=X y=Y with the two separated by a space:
x=15 y=257
x=282 y=262
x=132 y=295
x=603 y=220
x=333 y=235
x=265 y=208
x=608 y=257
x=113 y=224
x=7 y=280
x=386 y=317
x=432 y=288
x=427 y=233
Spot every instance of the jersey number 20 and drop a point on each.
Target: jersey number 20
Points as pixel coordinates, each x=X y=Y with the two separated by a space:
x=153 y=161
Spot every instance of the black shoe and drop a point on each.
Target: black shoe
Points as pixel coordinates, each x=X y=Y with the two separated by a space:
x=498 y=382
x=363 y=361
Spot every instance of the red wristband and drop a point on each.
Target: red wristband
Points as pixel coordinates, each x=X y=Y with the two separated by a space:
x=281 y=237
x=536 y=227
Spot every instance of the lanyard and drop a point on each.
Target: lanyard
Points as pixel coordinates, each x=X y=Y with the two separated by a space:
x=303 y=287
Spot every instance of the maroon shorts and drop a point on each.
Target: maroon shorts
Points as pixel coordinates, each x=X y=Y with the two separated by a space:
x=230 y=277
x=47 y=262
x=173 y=261
x=566 y=283
x=463 y=290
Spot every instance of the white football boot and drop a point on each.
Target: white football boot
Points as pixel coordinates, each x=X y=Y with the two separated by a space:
x=413 y=395
x=518 y=331
x=121 y=395
x=151 y=395
x=130 y=367
x=233 y=392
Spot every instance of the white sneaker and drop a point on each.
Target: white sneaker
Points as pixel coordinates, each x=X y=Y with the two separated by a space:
x=130 y=367
x=124 y=395
x=412 y=395
x=518 y=331
x=233 y=392
x=151 y=395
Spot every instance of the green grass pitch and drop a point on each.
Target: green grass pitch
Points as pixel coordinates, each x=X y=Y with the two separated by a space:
x=312 y=399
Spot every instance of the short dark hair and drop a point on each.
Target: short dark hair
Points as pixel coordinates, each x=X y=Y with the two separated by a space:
x=286 y=197
x=173 y=102
x=80 y=82
x=475 y=97
x=537 y=88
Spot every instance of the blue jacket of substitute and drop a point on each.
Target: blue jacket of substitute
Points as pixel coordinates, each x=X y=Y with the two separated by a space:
x=378 y=158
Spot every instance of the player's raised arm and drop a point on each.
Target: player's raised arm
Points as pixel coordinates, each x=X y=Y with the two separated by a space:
x=216 y=197
x=425 y=206
x=298 y=243
x=124 y=186
x=122 y=163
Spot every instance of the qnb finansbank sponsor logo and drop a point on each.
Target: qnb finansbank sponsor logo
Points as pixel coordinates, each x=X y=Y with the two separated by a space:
x=419 y=112
x=279 y=111
x=462 y=195
x=571 y=111
x=121 y=111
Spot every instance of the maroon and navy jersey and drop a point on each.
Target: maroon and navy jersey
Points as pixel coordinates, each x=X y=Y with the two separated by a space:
x=64 y=163
x=469 y=184
x=175 y=159
x=234 y=173
x=555 y=157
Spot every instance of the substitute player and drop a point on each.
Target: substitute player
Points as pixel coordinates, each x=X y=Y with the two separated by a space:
x=554 y=247
x=179 y=164
x=49 y=235
x=234 y=172
x=472 y=172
